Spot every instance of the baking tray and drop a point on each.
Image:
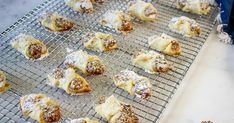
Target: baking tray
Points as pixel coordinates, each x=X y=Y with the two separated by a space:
x=30 y=77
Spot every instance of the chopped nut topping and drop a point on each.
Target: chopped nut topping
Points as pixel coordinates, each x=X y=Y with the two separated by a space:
x=127 y=115
x=95 y=67
x=35 y=51
x=86 y=10
x=126 y=26
x=58 y=73
x=142 y=88
x=63 y=23
x=175 y=45
x=52 y=114
x=161 y=65
x=100 y=100
x=76 y=84
x=182 y=3
x=109 y=43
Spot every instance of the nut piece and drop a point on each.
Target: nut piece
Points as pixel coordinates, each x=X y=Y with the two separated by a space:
x=95 y=68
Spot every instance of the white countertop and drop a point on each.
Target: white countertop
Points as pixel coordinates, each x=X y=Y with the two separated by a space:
x=207 y=91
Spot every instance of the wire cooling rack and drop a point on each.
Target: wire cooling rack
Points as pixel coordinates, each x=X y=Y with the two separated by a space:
x=31 y=77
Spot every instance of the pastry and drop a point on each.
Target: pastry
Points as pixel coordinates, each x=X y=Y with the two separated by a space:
x=69 y=81
x=57 y=23
x=133 y=83
x=194 y=6
x=83 y=6
x=4 y=86
x=83 y=120
x=143 y=11
x=101 y=42
x=116 y=111
x=165 y=44
x=88 y=64
x=30 y=47
x=151 y=62
x=118 y=20
x=41 y=108
x=98 y=1
x=185 y=26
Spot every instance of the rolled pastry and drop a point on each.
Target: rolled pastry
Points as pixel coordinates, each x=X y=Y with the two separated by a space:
x=4 y=85
x=101 y=42
x=116 y=112
x=83 y=6
x=83 y=120
x=133 y=84
x=30 y=47
x=98 y=1
x=88 y=64
x=143 y=11
x=194 y=6
x=69 y=81
x=151 y=62
x=165 y=44
x=185 y=26
x=57 y=23
x=118 y=20
x=41 y=108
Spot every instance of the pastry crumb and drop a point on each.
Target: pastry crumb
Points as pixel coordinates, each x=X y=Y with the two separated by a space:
x=100 y=100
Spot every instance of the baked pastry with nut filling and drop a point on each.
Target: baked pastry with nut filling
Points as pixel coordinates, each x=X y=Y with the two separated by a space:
x=116 y=111
x=56 y=23
x=194 y=6
x=88 y=64
x=143 y=10
x=40 y=108
x=100 y=42
x=83 y=6
x=166 y=44
x=69 y=81
x=4 y=85
x=30 y=47
x=118 y=20
x=151 y=61
x=185 y=26
x=98 y=1
x=133 y=83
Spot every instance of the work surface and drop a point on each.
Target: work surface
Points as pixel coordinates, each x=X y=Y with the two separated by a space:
x=207 y=91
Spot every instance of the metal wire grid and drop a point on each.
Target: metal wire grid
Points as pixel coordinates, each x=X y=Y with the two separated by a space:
x=30 y=77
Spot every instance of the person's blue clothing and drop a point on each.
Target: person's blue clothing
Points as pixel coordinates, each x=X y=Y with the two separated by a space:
x=227 y=15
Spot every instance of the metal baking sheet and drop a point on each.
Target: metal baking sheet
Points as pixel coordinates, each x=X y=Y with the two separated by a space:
x=30 y=77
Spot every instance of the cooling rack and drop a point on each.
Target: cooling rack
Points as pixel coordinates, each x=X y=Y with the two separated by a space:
x=31 y=77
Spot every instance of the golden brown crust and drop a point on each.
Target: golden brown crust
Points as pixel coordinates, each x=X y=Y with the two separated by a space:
x=56 y=23
x=4 y=86
x=88 y=64
x=69 y=81
x=40 y=108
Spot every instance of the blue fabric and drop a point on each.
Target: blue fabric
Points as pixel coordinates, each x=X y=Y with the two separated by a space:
x=227 y=15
